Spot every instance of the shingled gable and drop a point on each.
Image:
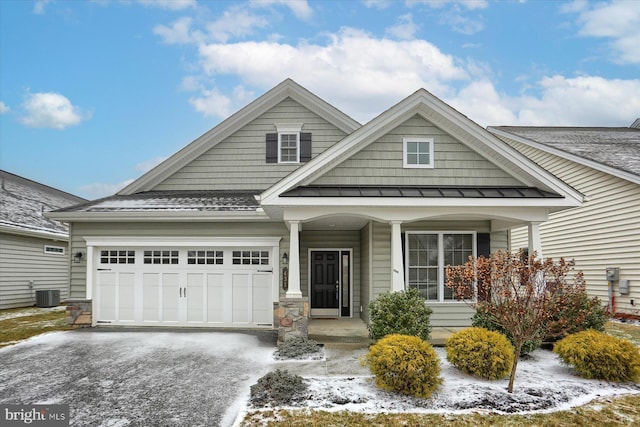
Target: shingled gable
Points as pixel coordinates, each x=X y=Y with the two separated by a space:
x=287 y=89
x=449 y=120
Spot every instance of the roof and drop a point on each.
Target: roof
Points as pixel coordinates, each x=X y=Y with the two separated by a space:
x=616 y=147
x=150 y=201
x=23 y=202
x=419 y=191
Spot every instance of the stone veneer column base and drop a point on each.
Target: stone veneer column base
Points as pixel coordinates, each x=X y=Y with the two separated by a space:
x=291 y=316
x=79 y=313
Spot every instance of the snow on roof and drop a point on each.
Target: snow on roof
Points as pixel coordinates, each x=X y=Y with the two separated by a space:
x=23 y=202
x=173 y=200
x=615 y=147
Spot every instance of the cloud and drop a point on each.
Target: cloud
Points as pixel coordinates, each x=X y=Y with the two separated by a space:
x=362 y=74
x=38 y=7
x=4 y=108
x=235 y=22
x=51 y=110
x=468 y=4
x=98 y=190
x=147 y=165
x=179 y=32
x=378 y=4
x=212 y=103
x=618 y=21
x=405 y=29
x=169 y=4
x=300 y=8
x=460 y=23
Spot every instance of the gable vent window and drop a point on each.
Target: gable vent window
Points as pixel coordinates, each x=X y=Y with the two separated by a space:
x=418 y=152
x=288 y=145
x=55 y=250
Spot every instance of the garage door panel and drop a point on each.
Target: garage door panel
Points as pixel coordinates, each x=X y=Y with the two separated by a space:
x=107 y=287
x=261 y=299
x=171 y=294
x=216 y=298
x=240 y=292
x=151 y=297
x=196 y=301
x=126 y=297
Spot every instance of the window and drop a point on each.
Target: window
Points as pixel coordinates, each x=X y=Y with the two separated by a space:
x=161 y=257
x=250 y=257
x=208 y=257
x=418 y=152
x=288 y=151
x=428 y=253
x=117 y=256
x=54 y=250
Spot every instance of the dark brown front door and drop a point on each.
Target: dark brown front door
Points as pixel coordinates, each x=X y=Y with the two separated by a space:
x=325 y=279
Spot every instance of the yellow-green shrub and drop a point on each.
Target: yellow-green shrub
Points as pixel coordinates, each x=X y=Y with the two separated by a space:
x=600 y=356
x=481 y=353
x=404 y=364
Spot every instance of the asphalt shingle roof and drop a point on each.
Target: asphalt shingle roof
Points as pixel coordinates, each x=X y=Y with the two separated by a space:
x=23 y=202
x=614 y=147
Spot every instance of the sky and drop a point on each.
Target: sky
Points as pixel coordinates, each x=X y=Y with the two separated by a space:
x=93 y=94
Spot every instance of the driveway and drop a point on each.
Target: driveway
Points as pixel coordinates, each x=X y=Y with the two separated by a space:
x=138 y=378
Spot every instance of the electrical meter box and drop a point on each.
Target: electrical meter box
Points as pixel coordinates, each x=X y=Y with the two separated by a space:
x=613 y=274
x=624 y=287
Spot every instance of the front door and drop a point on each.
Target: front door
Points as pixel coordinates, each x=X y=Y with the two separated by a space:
x=330 y=284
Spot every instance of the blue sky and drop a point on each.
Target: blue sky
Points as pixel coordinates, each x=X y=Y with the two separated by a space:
x=94 y=93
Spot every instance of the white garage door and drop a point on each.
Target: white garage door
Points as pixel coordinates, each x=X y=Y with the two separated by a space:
x=184 y=286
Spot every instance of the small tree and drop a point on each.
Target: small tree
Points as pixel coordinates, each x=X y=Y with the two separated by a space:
x=522 y=294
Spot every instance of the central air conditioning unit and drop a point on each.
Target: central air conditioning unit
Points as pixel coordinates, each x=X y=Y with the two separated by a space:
x=48 y=298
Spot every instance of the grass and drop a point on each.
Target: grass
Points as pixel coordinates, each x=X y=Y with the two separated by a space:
x=623 y=330
x=15 y=329
x=620 y=411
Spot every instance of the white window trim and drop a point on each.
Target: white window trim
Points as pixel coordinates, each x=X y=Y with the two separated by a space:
x=441 y=266
x=407 y=165
x=289 y=129
x=54 y=250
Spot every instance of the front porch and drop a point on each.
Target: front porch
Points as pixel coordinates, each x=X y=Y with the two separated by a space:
x=353 y=331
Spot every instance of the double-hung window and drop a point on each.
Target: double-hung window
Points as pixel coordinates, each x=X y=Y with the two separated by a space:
x=418 y=152
x=427 y=255
x=289 y=147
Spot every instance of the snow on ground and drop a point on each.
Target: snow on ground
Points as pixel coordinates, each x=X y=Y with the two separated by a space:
x=542 y=384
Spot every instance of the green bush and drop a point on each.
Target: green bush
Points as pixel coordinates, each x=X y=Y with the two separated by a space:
x=481 y=353
x=402 y=312
x=297 y=347
x=404 y=364
x=576 y=314
x=278 y=387
x=482 y=319
x=600 y=356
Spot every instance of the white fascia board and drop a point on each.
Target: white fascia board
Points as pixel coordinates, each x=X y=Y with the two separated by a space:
x=514 y=214
x=235 y=122
x=150 y=241
x=168 y=216
x=41 y=234
x=568 y=156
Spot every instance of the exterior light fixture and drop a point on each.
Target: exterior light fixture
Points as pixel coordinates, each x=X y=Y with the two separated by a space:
x=77 y=257
x=285 y=259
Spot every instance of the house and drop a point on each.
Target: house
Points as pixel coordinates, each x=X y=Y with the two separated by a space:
x=34 y=250
x=604 y=165
x=289 y=208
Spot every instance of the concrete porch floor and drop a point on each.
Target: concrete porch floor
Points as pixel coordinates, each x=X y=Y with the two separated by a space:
x=354 y=331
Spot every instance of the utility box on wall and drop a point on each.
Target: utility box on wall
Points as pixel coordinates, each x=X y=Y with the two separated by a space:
x=623 y=287
x=613 y=274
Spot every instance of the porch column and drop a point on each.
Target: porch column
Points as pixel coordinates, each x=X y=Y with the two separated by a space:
x=397 y=269
x=535 y=243
x=294 y=261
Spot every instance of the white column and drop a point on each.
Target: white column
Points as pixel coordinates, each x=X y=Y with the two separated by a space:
x=397 y=269
x=535 y=243
x=294 y=261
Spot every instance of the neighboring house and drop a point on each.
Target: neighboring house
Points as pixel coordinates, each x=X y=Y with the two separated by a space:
x=34 y=250
x=289 y=207
x=604 y=165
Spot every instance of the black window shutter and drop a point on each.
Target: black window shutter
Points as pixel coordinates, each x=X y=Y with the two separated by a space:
x=484 y=244
x=272 y=148
x=305 y=146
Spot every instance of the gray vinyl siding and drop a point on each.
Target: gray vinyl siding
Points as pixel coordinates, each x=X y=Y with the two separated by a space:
x=499 y=241
x=23 y=259
x=239 y=161
x=603 y=232
x=193 y=229
x=381 y=162
x=365 y=270
x=343 y=239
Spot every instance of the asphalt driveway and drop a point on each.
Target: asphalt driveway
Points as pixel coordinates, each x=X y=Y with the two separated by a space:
x=139 y=378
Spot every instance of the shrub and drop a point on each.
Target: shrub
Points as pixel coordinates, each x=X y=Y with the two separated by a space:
x=481 y=353
x=404 y=364
x=402 y=312
x=278 y=387
x=297 y=347
x=600 y=356
x=482 y=319
x=578 y=313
